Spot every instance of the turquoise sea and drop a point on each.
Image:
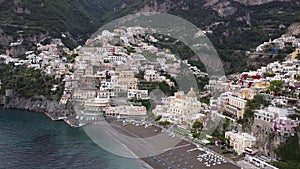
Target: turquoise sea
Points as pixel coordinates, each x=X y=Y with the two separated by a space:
x=31 y=140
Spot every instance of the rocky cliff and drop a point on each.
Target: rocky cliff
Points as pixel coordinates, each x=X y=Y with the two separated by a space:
x=42 y=105
x=258 y=2
x=266 y=140
x=294 y=29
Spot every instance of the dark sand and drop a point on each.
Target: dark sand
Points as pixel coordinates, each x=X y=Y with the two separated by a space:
x=177 y=157
x=180 y=158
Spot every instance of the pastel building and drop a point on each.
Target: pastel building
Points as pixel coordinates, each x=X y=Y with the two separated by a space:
x=285 y=125
x=136 y=111
x=235 y=105
x=151 y=75
x=96 y=104
x=137 y=94
x=240 y=141
x=271 y=113
x=295 y=53
x=184 y=108
x=248 y=93
x=126 y=78
x=84 y=94
x=265 y=115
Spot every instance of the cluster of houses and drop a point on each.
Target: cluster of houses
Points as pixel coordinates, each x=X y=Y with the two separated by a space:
x=112 y=68
x=181 y=109
x=277 y=117
x=108 y=72
x=279 y=43
x=49 y=58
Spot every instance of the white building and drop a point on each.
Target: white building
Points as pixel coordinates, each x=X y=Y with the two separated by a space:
x=137 y=94
x=181 y=108
x=265 y=115
x=240 y=141
x=151 y=75
x=97 y=104
x=127 y=111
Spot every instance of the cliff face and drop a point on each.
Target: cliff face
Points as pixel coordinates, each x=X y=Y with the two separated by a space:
x=154 y=6
x=52 y=108
x=266 y=140
x=5 y=39
x=236 y=25
x=226 y=8
x=258 y=2
x=294 y=29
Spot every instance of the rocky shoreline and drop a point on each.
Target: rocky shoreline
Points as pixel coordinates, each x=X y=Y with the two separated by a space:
x=53 y=109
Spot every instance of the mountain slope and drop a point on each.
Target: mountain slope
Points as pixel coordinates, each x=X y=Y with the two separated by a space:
x=242 y=24
x=242 y=28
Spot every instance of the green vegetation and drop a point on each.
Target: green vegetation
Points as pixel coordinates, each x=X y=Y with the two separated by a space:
x=289 y=153
x=276 y=86
x=79 y=19
x=233 y=37
x=270 y=74
x=140 y=75
x=69 y=43
x=252 y=105
x=226 y=125
x=76 y=19
x=248 y=119
x=298 y=56
x=202 y=82
x=205 y=100
x=196 y=129
x=163 y=86
x=181 y=131
x=164 y=123
x=71 y=58
x=29 y=82
x=129 y=50
x=297 y=77
x=256 y=102
x=46 y=41
x=157 y=118
x=145 y=103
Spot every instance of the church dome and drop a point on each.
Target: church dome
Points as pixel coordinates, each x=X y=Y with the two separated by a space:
x=192 y=93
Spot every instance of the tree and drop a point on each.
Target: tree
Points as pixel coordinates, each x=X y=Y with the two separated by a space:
x=196 y=129
x=197 y=125
x=164 y=123
x=298 y=56
x=297 y=77
x=290 y=150
x=257 y=102
x=157 y=118
x=276 y=86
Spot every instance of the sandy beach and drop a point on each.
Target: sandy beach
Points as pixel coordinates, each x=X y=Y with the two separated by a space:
x=183 y=155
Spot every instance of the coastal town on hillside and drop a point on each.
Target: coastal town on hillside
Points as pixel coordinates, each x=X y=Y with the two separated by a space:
x=121 y=74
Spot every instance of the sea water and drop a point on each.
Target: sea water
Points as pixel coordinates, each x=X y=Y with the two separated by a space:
x=31 y=140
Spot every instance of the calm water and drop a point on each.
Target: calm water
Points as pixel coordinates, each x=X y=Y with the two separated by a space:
x=32 y=140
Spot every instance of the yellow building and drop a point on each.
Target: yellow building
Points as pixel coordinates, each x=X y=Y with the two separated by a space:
x=126 y=78
x=295 y=53
x=248 y=93
x=236 y=106
x=261 y=85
